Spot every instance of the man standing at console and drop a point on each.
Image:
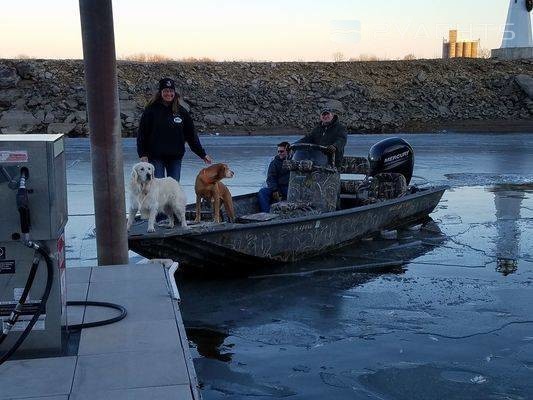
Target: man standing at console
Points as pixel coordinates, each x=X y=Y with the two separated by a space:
x=328 y=132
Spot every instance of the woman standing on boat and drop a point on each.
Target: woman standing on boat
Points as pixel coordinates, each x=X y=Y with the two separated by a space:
x=164 y=128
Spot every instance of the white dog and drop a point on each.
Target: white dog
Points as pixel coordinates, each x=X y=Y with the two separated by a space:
x=153 y=195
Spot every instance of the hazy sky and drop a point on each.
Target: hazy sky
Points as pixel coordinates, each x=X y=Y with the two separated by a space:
x=253 y=29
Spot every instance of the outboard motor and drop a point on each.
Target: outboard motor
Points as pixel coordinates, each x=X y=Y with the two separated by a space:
x=314 y=181
x=392 y=155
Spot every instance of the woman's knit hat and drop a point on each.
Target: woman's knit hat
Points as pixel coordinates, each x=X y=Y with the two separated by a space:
x=166 y=83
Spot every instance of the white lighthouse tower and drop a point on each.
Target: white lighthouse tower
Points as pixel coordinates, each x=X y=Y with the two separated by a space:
x=517 y=41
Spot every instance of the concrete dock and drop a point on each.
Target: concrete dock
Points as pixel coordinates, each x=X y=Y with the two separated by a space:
x=144 y=356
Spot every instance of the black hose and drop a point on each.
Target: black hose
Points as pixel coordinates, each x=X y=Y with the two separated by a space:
x=122 y=309
x=42 y=305
x=15 y=314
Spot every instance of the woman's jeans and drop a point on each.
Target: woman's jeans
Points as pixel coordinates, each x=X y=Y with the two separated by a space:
x=171 y=165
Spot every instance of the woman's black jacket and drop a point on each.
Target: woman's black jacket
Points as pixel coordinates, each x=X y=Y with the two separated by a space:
x=163 y=135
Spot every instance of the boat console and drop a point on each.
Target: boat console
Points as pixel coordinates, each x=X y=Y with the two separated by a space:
x=314 y=182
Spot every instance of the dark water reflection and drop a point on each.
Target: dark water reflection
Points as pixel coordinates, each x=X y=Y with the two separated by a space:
x=508 y=200
x=301 y=306
x=208 y=342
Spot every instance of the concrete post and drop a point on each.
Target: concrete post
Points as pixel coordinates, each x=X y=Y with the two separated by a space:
x=104 y=130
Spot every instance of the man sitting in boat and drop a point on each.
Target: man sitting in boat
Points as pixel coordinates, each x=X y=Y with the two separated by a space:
x=328 y=132
x=277 y=180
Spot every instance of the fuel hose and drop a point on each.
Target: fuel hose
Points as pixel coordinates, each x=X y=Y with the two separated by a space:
x=17 y=311
x=121 y=316
x=44 y=299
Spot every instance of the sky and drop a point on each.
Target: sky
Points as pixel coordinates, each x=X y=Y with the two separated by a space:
x=274 y=30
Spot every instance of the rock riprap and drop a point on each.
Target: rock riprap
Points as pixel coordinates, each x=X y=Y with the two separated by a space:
x=39 y=96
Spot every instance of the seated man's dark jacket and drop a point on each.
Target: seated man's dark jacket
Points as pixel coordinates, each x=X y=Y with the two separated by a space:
x=163 y=135
x=333 y=133
x=277 y=176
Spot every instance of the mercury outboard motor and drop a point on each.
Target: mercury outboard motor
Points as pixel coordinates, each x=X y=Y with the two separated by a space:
x=392 y=155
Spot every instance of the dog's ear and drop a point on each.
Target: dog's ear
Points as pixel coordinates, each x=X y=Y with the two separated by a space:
x=221 y=171
x=134 y=176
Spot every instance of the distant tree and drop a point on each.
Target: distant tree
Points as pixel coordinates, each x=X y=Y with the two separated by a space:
x=157 y=58
x=146 y=57
x=194 y=59
x=338 y=56
x=410 y=56
x=365 y=57
x=23 y=57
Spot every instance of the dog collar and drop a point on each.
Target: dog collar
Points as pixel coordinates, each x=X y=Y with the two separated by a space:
x=205 y=179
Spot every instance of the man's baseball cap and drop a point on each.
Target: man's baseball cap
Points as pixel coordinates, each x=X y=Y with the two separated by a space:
x=166 y=83
x=327 y=110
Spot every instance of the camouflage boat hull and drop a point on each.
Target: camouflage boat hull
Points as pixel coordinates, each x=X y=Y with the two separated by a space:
x=228 y=247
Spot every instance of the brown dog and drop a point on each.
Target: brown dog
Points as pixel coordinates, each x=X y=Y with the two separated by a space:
x=209 y=188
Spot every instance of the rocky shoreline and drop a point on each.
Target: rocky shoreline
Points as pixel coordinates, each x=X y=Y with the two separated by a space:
x=239 y=98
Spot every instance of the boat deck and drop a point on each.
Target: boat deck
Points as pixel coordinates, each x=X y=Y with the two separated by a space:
x=144 y=356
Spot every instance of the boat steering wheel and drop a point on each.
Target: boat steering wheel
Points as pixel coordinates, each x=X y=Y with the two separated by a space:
x=314 y=147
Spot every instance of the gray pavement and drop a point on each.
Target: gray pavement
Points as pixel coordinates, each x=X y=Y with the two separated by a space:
x=144 y=356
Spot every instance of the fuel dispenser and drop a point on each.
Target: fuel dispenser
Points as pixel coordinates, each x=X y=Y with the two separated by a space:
x=33 y=207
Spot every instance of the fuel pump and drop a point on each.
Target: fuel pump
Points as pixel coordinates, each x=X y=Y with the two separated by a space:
x=33 y=204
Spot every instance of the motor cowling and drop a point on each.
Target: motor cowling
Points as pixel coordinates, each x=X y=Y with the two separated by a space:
x=392 y=155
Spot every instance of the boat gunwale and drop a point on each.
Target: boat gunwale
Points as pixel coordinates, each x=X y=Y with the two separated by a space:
x=225 y=227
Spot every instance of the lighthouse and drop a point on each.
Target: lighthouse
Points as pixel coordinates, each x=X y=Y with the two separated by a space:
x=517 y=40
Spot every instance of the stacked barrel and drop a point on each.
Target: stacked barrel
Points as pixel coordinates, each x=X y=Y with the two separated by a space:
x=454 y=49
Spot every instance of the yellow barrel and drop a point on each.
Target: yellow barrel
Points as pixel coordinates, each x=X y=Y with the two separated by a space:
x=475 y=49
x=467 y=50
x=453 y=36
x=459 y=49
x=451 y=50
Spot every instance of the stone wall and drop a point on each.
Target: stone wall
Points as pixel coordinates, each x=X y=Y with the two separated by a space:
x=388 y=96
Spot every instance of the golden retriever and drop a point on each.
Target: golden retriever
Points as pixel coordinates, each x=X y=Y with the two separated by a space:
x=209 y=188
x=155 y=195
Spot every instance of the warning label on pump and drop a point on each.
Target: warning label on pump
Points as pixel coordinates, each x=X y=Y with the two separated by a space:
x=29 y=308
x=14 y=156
x=28 y=311
x=24 y=320
x=7 y=267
